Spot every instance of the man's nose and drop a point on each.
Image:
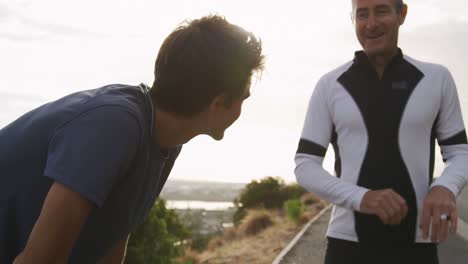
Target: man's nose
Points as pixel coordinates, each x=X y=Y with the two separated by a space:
x=371 y=22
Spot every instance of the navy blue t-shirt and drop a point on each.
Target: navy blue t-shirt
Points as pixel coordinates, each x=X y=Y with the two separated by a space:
x=98 y=143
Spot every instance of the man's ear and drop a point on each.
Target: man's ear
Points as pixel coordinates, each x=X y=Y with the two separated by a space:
x=403 y=13
x=218 y=102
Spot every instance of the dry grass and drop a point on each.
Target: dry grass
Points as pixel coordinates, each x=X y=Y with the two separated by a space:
x=256 y=221
x=310 y=198
x=190 y=256
x=260 y=248
x=237 y=246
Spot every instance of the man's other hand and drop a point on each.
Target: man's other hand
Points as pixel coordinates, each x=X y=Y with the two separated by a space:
x=440 y=210
x=388 y=205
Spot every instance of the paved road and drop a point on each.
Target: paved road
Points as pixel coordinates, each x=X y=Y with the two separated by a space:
x=310 y=248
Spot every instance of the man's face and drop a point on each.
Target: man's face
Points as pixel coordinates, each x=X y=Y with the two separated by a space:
x=225 y=115
x=377 y=23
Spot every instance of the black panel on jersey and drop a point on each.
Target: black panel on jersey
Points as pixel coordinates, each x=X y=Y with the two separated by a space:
x=336 y=149
x=459 y=138
x=311 y=148
x=382 y=103
x=432 y=150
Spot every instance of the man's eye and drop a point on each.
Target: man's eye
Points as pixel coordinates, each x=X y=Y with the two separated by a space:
x=361 y=15
x=382 y=12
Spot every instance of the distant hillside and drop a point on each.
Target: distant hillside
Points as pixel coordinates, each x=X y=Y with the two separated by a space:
x=201 y=191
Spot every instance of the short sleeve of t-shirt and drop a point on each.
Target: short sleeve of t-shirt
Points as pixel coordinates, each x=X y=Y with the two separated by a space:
x=90 y=153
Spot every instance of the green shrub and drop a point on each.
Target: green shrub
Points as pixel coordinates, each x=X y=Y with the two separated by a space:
x=264 y=193
x=239 y=214
x=200 y=242
x=269 y=192
x=293 y=191
x=293 y=210
x=155 y=240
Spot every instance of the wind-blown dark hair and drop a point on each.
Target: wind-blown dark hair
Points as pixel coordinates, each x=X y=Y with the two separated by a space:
x=202 y=59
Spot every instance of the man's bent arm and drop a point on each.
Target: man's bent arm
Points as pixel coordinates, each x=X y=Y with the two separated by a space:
x=315 y=138
x=313 y=177
x=59 y=224
x=117 y=254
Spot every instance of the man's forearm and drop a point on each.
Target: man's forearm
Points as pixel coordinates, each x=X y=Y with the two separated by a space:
x=57 y=228
x=454 y=176
x=313 y=177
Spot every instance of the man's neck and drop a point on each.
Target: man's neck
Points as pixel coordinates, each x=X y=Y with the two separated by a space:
x=171 y=130
x=380 y=61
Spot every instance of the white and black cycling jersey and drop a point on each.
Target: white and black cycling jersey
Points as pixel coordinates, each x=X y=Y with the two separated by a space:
x=383 y=131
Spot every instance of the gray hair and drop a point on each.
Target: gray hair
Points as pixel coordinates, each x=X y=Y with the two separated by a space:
x=398 y=5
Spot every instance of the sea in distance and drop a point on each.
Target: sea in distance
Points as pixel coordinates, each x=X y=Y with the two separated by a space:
x=210 y=196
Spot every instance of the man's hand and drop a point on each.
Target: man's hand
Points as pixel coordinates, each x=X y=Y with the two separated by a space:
x=388 y=205
x=116 y=254
x=440 y=201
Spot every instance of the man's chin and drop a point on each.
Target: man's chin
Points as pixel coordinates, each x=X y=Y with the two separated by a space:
x=217 y=137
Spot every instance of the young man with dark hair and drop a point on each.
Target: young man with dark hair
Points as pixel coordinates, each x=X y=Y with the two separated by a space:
x=80 y=173
x=382 y=112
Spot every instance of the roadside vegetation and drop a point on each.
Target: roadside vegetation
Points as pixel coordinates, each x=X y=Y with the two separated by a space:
x=268 y=214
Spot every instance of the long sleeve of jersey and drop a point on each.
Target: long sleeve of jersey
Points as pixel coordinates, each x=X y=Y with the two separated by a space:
x=317 y=134
x=451 y=137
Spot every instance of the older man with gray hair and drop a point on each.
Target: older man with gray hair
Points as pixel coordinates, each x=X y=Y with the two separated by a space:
x=383 y=113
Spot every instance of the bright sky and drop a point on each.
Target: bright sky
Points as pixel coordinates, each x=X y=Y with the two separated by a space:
x=50 y=48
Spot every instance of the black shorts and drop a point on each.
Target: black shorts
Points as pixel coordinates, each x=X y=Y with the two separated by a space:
x=347 y=252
